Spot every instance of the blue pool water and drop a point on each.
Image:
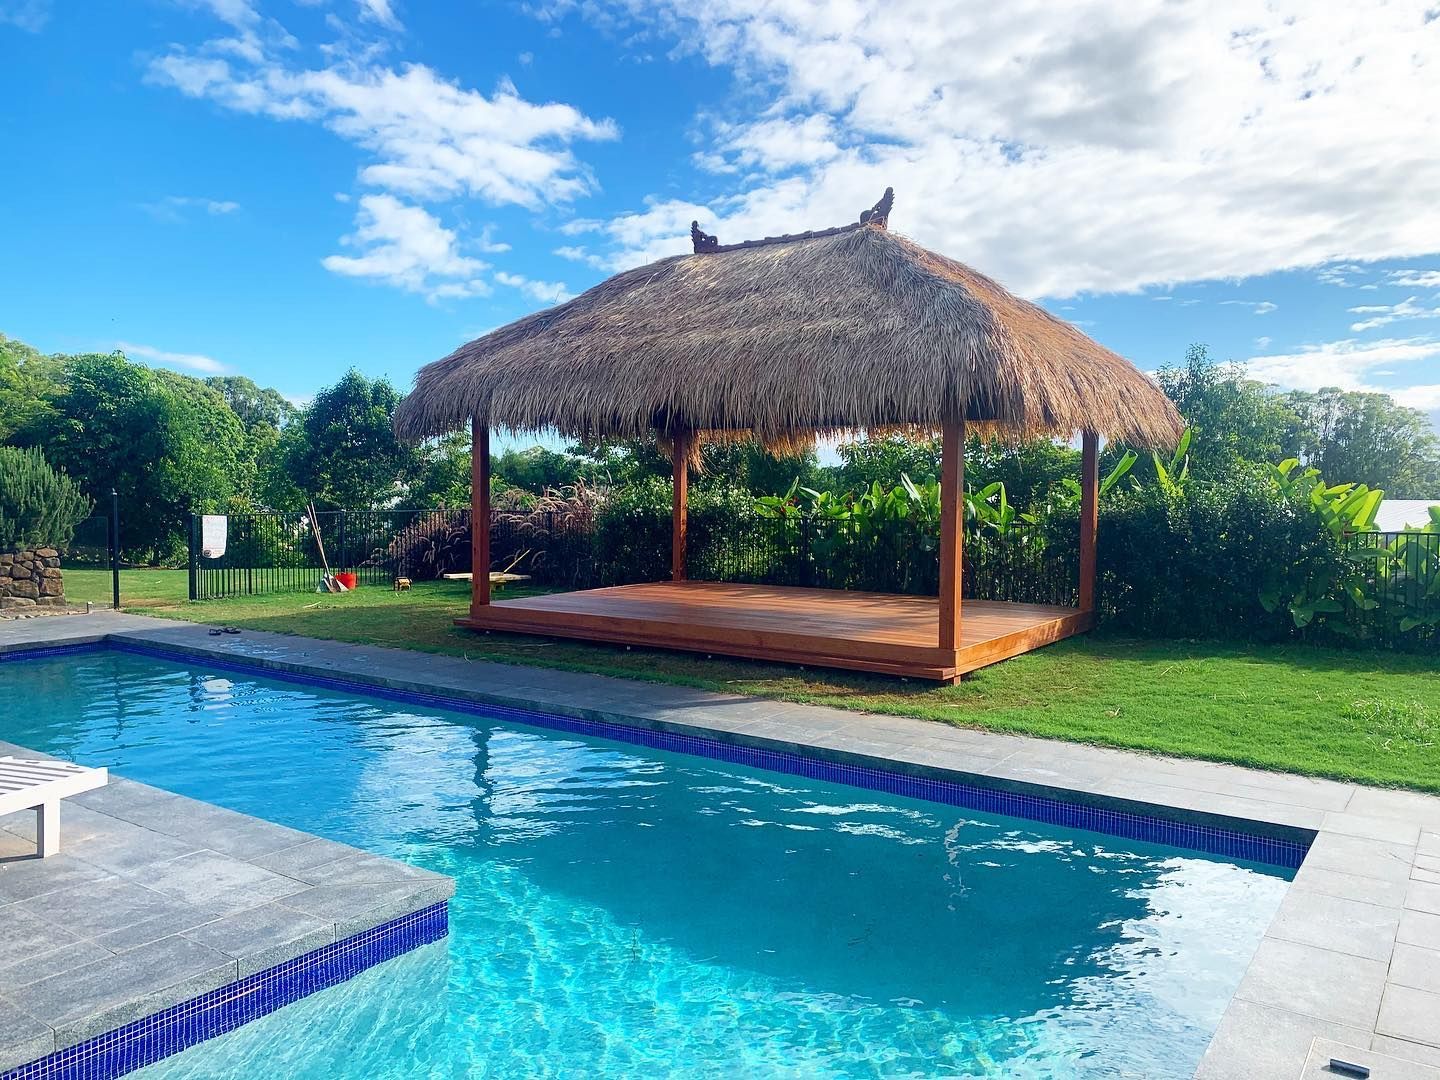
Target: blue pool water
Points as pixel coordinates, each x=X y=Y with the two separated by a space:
x=627 y=912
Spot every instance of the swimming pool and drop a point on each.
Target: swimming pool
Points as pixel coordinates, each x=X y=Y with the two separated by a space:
x=622 y=911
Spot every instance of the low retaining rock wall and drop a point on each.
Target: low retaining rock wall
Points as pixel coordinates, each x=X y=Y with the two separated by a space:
x=31 y=578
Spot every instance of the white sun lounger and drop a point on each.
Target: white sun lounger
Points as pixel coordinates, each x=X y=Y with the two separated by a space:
x=28 y=784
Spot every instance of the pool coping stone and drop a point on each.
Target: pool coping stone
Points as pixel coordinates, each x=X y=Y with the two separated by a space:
x=1368 y=846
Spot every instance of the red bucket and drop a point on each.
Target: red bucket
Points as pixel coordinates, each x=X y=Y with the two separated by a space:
x=346 y=578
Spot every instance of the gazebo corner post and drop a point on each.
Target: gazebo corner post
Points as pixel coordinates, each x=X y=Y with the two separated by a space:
x=952 y=529
x=1089 y=516
x=479 y=516
x=680 y=443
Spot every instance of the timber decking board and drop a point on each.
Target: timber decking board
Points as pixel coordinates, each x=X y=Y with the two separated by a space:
x=866 y=631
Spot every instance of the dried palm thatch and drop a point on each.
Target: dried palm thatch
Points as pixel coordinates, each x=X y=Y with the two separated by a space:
x=789 y=337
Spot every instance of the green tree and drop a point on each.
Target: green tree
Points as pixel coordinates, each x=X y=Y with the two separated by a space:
x=167 y=443
x=1234 y=418
x=28 y=382
x=254 y=405
x=341 y=451
x=443 y=474
x=864 y=462
x=39 y=506
x=1369 y=439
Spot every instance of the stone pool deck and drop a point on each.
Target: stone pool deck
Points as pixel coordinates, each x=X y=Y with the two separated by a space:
x=1350 y=966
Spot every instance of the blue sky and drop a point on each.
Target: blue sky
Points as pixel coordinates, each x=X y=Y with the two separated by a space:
x=286 y=188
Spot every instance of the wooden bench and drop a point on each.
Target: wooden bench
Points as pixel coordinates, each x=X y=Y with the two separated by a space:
x=28 y=784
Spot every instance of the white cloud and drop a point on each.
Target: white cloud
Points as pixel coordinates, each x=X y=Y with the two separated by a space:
x=407 y=247
x=379 y=12
x=1385 y=314
x=487 y=242
x=553 y=292
x=1257 y=307
x=1089 y=146
x=1263 y=342
x=1348 y=364
x=1415 y=279
x=430 y=138
x=189 y=361
x=580 y=254
x=172 y=207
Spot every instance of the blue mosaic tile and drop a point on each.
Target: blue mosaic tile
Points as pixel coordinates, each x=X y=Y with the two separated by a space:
x=180 y=1027
x=934 y=786
x=51 y=650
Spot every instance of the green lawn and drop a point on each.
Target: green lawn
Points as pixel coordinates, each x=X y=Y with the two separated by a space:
x=150 y=588
x=1372 y=717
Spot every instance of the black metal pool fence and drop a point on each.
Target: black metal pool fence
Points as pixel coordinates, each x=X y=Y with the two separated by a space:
x=1393 y=598
x=1394 y=593
x=257 y=553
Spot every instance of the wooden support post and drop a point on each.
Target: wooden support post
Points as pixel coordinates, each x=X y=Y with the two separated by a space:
x=680 y=472
x=479 y=516
x=1089 y=516
x=952 y=529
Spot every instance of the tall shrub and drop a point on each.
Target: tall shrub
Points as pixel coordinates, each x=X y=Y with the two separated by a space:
x=39 y=506
x=1195 y=561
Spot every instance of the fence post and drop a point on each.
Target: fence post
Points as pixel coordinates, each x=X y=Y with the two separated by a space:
x=114 y=549
x=341 y=563
x=194 y=561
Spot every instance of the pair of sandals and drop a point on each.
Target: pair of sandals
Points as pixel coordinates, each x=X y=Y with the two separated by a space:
x=217 y=631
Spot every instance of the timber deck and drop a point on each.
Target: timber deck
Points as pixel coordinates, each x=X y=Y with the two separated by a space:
x=879 y=632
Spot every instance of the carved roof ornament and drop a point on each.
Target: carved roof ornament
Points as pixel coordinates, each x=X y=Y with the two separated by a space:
x=703 y=241
x=879 y=214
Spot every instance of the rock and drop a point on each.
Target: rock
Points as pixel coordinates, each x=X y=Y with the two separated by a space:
x=6 y=558
x=51 y=601
x=15 y=602
x=53 y=560
x=47 y=553
x=30 y=590
x=51 y=572
x=51 y=587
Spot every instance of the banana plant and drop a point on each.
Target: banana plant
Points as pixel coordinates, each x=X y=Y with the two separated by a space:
x=1171 y=475
x=1342 y=508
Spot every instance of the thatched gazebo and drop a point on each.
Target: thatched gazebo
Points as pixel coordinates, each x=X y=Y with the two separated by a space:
x=785 y=339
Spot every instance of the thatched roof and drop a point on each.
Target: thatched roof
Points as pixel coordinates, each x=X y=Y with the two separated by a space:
x=849 y=328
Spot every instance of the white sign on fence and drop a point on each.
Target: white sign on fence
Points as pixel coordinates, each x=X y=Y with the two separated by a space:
x=213 y=531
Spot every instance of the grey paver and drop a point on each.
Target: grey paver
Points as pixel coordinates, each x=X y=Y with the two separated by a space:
x=1254 y=1042
x=1387 y=829
x=1315 y=878
x=1416 y=966
x=42 y=965
x=96 y=908
x=36 y=877
x=97 y=997
x=312 y=853
x=1382 y=1066
x=1419 y=928
x=1332 y=922
x=1311 y=981
x=218 y=883
x=22 y=1037
x=264 y=936
x=1361 y=857
x=1411 y=1014
x=1405 y=1050
x=1423 y=896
